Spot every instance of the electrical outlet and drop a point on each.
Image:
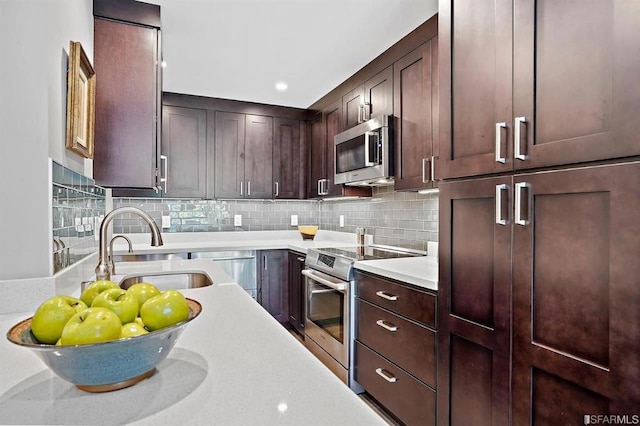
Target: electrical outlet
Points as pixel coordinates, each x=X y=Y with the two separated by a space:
x=341 y=221
x=237 y=220
x=166 y=222
x=294 y=220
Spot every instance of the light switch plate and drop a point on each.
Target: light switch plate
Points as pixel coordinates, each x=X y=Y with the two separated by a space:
x=166 y=222
x=341 y=221
x=237 y=220
x=294 y=220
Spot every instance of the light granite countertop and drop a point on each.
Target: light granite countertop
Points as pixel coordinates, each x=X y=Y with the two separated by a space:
x=233 y=365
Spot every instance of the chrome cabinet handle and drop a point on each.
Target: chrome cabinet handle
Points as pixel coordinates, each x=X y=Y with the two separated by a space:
x=318 y=184
x=424 y=170
x=518 y=203
x=433 y=168
x=499 y=157
x=367 y=111
x=381 y=373
x=166 y=171
x=300 y=259
x=277 y=190
x=499 y=219
x=516 y=139
x=241 y=187
x=248 y=188
x=384 y=325
x=387 y=296
x=360 y=112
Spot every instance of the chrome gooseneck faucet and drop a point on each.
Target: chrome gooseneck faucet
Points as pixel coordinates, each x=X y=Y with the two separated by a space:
x=105 y=263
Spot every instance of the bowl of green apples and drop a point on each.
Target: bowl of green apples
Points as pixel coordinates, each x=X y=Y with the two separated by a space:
x=109 y=338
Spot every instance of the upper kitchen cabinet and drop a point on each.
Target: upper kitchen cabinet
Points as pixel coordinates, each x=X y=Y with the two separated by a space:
x=288 y=152
x=243 y=155
x=374 y=97
x=323 y=127
x=416 y=111
x=529 y=84
x=128 y=87
x=183 y=171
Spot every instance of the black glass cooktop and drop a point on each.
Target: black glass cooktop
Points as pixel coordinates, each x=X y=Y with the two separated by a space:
x=370 y=252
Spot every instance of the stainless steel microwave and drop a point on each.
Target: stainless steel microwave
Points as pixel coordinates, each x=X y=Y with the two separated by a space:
x=363 y=155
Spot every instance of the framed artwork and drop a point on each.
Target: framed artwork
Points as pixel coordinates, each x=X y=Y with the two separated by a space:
x=81 y=94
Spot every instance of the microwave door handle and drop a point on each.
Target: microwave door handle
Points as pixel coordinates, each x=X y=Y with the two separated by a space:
x=367 y=157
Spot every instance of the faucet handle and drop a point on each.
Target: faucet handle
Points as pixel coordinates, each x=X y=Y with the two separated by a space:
x=110 y=264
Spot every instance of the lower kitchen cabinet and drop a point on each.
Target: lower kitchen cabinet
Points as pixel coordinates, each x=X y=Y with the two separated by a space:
x=273 y=290
x=296 y=291
x=538 y=297
x=395 y=349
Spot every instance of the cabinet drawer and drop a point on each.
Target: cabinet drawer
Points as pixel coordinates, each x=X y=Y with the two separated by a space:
x=417 y=305
x=405 y=397
x=408 y=344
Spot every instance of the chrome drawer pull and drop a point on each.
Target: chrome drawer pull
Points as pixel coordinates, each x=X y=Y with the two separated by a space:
x=384 y=325
x=382 y=374
x=387 y=296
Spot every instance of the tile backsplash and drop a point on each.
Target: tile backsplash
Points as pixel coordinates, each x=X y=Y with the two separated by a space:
x=405 y=219
x=77 y=207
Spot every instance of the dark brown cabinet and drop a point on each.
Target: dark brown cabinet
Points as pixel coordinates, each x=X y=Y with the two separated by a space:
x=273 y=289
x=128 y=87
x=297 y=295
x=395 y=347
x=374 y=97
x=539 y=269
x=323 y=126
x=243 y=155
x=288 y=150
x=416 y=118
x=183 y=159
x=526 y=86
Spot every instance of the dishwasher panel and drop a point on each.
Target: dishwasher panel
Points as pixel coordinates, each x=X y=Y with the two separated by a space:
x=240 y=265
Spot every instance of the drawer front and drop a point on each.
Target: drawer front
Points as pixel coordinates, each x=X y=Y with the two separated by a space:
x=417 y=305
x=409 y=400
x=411 y=346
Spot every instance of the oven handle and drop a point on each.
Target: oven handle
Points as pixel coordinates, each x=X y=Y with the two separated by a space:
x=339 y=286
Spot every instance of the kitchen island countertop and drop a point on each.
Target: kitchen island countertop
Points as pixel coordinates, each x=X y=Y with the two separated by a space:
x=233 y=365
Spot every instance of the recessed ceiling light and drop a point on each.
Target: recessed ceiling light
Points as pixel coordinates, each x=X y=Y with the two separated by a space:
x=281 y=86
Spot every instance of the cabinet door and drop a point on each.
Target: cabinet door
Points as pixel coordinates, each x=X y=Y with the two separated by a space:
x=378 y=94
x=286 y=158
x=578 y=91
x=352 y=107
x=332 y=126
x=184 y=144
x=258 y=160
x=576 y=298
x=126 y=104
x=229 y=155
x=317 y=156
x=474 y=297
x=475 y=68
x=273 y=290
x=296 y=291
x=415 y=87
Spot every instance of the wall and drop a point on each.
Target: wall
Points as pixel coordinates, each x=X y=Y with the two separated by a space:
x=34 y=42
x=405 y=219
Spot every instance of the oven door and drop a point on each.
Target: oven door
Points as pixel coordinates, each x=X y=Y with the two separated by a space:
x=327 y=316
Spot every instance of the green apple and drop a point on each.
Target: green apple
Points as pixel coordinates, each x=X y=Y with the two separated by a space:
x=132 y=329
x=120 y=301
x=143 y=292
x=96 y=288
x=166 y=309
x=51 y=316
x=92 y=325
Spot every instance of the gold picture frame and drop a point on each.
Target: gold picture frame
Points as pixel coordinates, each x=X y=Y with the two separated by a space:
x=81 y=95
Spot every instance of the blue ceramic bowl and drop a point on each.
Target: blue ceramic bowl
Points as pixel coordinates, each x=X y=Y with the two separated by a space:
x=106 y=366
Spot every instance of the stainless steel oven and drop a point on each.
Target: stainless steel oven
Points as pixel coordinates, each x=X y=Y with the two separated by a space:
x=327 y=331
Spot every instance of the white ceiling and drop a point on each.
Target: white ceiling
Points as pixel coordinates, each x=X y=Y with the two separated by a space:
x=239 y=49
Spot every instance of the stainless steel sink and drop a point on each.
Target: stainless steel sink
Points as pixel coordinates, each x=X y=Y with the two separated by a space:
x=169 y=280
x=133 y=257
